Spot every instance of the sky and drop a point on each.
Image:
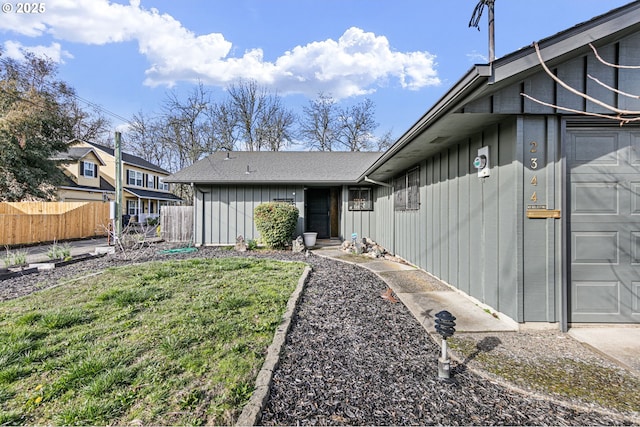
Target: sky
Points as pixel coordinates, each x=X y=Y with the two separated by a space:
x=126 y=56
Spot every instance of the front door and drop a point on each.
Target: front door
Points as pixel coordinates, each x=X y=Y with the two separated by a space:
x=604 y=200
x=318 y=212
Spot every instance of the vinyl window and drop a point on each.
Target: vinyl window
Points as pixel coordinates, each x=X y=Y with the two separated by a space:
x=88 y=169
x=134 y=178
x=162 y=185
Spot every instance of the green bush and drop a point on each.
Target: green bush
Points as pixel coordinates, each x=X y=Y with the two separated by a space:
x=276 y=222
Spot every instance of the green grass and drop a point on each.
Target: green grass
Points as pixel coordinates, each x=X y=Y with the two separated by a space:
x=568 y=378
x=166 y=343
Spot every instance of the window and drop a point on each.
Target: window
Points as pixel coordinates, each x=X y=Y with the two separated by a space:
x=132 y=207
x=360 y=199
x=162 y=185
x=134 y=178
x=150 y=181
x=407 y=191
x=88 y=169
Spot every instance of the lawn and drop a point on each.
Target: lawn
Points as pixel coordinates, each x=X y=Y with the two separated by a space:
x=161 y=343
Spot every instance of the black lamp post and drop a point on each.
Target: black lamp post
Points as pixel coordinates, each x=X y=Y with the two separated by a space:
x=445 y=326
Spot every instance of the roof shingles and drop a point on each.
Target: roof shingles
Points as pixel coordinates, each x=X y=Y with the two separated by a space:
x=277 y=167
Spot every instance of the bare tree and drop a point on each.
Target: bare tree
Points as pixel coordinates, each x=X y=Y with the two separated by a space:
x=385 y=141
x=620 y=115
x=143 y=138
x=319 y=124
x=89 y=125
x=275 y=127
x=357 y=124
x=247 y=101
x=223 y=124
x=186 y=126
x=261 y=119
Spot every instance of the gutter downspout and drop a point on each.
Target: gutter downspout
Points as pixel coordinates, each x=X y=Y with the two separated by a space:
x=383 y=184
x=195 y=216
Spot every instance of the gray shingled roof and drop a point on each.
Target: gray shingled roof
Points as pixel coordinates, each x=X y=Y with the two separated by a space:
x=75 y=153
x=308 y=167
x=129 y=158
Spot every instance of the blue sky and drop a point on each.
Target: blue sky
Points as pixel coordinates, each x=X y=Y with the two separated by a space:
x=403 y=54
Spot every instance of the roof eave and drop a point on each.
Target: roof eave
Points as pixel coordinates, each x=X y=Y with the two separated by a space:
x=476 y=76
x=602 y=29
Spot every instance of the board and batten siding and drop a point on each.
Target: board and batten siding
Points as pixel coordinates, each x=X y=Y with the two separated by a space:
x=361 y=222
x=224 y=212
x=466 y=229
x=471 y=221
x=383 y=208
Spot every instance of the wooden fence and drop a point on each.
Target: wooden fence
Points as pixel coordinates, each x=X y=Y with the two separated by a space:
x=176 y=223
x=38 y=222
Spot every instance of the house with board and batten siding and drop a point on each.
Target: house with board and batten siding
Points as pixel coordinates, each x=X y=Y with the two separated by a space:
x=532 y=208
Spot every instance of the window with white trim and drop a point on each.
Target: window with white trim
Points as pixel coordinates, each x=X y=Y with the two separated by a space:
x=162 y=185
x=360 y=199
x=132 y=207
x=134 y=178
x=150 y=181
x=88 y=169
x=406 y=191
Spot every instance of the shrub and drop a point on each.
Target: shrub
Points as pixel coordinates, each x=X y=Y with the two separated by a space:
x=276 y=222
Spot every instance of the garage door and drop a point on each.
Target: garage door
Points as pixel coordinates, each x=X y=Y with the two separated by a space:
x=604 y=199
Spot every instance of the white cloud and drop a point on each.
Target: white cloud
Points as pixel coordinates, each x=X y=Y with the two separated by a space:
x=477 y=58
x=356 y=63
x=54 y=51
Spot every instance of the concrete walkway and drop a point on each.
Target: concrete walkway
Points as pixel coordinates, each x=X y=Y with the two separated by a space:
x=424 y=296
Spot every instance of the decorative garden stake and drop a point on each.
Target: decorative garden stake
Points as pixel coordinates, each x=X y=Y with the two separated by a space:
x=445 y=326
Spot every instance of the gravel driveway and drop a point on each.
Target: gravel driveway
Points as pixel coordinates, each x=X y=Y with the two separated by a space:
x=353 y=357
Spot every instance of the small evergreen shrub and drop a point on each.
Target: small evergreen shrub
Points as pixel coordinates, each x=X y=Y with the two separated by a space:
x=276 y=222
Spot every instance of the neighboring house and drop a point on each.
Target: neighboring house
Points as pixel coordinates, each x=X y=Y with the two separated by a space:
x=548 y=231
x=91 y=173
x=82 y=167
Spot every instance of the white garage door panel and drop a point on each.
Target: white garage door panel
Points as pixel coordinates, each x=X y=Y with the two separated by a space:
x=604 y=186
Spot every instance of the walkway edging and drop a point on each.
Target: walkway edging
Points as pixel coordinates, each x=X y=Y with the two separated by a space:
x=253 y=409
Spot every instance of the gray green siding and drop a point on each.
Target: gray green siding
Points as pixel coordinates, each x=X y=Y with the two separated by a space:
x=361 y=222
x=223 y=212
x=466 y=230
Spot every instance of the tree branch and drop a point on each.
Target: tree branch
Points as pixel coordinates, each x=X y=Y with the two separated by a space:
x=611 y=108
x=606 y=86
x=622 y=120
x=609 y=64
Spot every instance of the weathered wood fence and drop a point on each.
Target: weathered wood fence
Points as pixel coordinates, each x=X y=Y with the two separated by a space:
x=37 y=222
x=176 y=223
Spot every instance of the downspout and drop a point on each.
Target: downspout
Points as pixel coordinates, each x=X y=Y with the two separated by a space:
x=383 y=184
x=195 y=216
x=565 y=226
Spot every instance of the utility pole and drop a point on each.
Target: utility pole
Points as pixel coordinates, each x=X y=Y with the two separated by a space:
x=475 y=22
x=492 y=38
x=118 y=156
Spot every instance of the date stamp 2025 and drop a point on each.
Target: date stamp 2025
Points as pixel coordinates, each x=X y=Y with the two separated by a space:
x=25 y=8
